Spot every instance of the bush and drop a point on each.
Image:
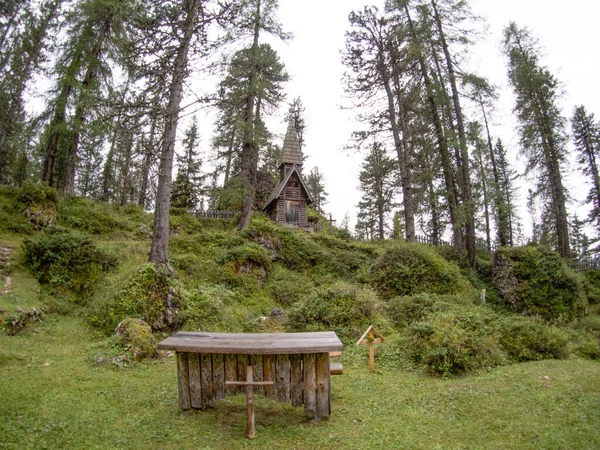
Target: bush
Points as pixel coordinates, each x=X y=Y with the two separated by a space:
x=592 y=285
x=527 y=339
x=66 y=259
x=405 y=310
x=535 y=281
x=288 y=287
x=342 y=307
x=100 y=218
x=454 y=342
x=409 y=269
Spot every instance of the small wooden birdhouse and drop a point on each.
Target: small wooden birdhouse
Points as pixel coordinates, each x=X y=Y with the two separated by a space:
x=288 y=203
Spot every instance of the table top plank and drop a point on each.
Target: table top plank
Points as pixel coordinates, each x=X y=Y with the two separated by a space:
x=252 y=343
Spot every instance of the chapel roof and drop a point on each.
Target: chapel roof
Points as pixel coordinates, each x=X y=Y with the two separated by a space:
x=292 y=154
x=279 y=188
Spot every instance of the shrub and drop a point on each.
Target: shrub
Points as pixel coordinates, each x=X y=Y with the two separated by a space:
x=527 y=339
x=405 y=310
x=409 y=269
x=95 y=217
x=63 y=258
x=342 y=307
x=592 y=285
x=454 y=342
x=288 y=287
x=535 y=281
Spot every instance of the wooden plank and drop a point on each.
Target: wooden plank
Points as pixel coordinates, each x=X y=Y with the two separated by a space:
x=269 y=373
x=195 y=381
x=336 y=369
x=206 y=377
x=323 y=391
x=296 y=380
x=252 y=343
x=218 y=366
x=182 y=381
x=231 y=373
x=282 y=384
x=242 y=363
x=310 y=383
x=257 y=363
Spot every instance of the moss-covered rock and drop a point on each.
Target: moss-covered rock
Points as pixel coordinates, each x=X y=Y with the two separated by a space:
x=534 y=280
x=135 y=336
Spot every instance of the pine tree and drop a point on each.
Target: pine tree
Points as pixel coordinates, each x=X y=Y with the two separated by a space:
x=541 y=126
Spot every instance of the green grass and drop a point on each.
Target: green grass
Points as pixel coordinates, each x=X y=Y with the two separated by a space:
x=54 y=395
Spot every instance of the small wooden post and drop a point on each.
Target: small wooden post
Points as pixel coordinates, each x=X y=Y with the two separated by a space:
x=369 y=338
x=250 y=383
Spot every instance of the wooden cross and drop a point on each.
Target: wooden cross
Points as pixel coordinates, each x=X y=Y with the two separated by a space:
x=369 y=338
x=250 y=383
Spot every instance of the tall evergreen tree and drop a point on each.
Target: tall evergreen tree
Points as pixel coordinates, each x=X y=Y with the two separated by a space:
x=541 y=125
x=187 y=188
x=315 y=183
x=378 y=182
x=586 y=137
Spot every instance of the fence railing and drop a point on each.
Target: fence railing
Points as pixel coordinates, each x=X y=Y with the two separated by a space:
x=217 y=214
x=585 y=264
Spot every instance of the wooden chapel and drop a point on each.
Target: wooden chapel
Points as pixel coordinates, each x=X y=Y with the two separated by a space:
x=288 y=203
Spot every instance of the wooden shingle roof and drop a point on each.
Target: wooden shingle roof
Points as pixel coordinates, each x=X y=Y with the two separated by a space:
x=292 y=154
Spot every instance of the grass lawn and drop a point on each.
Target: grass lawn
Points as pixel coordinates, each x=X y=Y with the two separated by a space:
x=55 y=395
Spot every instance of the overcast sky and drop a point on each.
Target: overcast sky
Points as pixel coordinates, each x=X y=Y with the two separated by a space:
x=568 y=33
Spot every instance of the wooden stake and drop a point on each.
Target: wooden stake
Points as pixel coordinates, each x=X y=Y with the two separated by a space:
x=249 y=383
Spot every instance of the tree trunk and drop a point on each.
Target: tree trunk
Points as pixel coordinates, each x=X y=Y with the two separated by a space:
x=148 y=153
x=159 y=252
x=441 y=140
x=464 y=153
x=249 y=157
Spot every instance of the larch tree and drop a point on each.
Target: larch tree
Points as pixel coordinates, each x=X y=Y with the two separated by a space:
x=541 y=126
x=586 y=137
x=188 y=24
x=257 y=16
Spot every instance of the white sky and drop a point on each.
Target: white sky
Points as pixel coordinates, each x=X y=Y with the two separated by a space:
x=568 y=33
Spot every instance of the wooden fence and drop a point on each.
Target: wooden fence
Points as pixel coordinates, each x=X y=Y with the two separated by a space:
x=217 y=214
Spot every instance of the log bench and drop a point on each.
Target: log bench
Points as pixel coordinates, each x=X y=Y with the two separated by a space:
x=297 y=364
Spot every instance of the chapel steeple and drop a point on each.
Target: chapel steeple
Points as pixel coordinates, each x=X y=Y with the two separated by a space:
x=292 y=154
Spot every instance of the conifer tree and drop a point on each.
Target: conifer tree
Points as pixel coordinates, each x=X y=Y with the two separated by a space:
x=586 y=137
x=378 y=182
x=541 y=127
x=187 y=187
x=315 y=183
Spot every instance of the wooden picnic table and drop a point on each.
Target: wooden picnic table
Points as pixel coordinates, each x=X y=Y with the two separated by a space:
x=297 y=364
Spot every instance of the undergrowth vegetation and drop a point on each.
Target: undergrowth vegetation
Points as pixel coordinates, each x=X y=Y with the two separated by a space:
x=267 y=278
